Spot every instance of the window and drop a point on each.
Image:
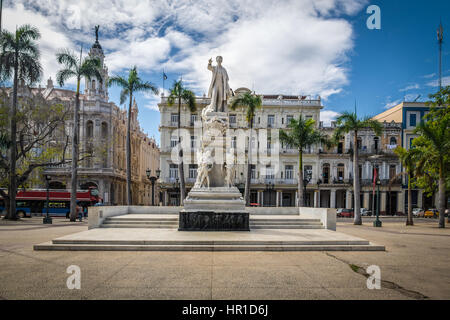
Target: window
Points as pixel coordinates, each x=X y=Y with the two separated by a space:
x=307 y=172
x=193 y=142
x=174 y=118
x=270 y=120
x=253 y=171
x=289 y=172
x=233 y=142
x=89 y=129
x=104 y=130
x=269 y=143
x=359 y=144
x=232 y=119
x=193 y=171
x=173 y=171
x=412 y=120
x=193 y=118
x=392 y=171
x=173 y=142
x=326 y=173
x=375 y=143
x=360 y=171
x=340 y=172
x=270 y=175
x=340 y=148
x=288 y=119
x=393 y=141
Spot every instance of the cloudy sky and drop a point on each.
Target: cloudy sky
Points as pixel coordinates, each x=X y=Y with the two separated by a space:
x=307 y=47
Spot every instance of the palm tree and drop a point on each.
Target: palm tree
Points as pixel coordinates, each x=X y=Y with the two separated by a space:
x=129 y=87
x=178 y=93
x=302 y=135
x=20 y=61
x=433 y=146
x=408 y=159
x=250 y=102
x=74 y=67
x=349 y=122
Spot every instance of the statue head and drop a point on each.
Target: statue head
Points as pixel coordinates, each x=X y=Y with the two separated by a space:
x=219 y=60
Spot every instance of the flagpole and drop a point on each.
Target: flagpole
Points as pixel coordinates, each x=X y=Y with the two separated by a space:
x=164 y=80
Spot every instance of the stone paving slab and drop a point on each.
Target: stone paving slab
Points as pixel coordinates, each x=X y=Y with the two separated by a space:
x=171 y=239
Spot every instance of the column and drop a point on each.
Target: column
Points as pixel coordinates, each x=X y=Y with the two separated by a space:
x=401 y=202
x=366 y=199
x=278 y=199
x=420 y=198
x=296 y=198
x=333 y=198
x=166 y=198
x=383 y=195
x=348 y=200
x=316 y=198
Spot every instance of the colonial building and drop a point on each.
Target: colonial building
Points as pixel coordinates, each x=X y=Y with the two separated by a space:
x=103 y=127
x=328 y=172
x=408 y=115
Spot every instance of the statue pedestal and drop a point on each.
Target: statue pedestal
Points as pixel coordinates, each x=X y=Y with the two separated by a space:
x=214 y=209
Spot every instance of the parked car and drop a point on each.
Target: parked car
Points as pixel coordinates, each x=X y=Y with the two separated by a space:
x=365 y=212
x=346 y=213
x=339 y=211
x=431 y=213
x=417 y=212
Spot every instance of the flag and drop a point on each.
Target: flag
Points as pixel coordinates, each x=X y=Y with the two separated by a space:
x=164 y=76
x=375 y=174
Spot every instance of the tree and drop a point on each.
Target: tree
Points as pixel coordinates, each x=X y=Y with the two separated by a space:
x=41 y=141
x=178 y=93
x=74 y=67
x=408 y=159
x=302 y=134
x=129 y=87
x=250 y=102
x=20 y=61
x=433 y=145
x=349 y=122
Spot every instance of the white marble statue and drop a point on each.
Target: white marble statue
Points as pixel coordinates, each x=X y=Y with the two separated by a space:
x=230 y=167
x=219 y=90
x=205 y=164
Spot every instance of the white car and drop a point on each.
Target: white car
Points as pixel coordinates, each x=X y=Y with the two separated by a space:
x=365 y=212
x=416 y=211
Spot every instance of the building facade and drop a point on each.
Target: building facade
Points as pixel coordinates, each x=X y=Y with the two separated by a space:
x=274 y=175
x=102 y=132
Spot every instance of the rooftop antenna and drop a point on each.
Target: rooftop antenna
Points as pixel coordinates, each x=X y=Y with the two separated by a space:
x=355 y=107
x=440 y=35
x=415 y=100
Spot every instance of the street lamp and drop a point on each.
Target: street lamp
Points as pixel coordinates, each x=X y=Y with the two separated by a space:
x=376 y=160
x=377 y=223
x=47 y=219
x=153 y=180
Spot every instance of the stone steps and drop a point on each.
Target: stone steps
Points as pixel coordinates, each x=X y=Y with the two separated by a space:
x=172 y=223
x=207 y=247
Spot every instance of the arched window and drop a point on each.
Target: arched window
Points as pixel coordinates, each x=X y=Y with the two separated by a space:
x=393 y=141
x=89 y=129
x=104 y=130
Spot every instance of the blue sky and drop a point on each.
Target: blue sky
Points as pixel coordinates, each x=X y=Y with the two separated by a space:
x=307 y=47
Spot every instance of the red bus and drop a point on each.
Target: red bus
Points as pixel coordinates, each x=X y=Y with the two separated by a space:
x=34 y=201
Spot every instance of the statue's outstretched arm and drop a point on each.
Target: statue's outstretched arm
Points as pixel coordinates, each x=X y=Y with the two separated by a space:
x=210 y=67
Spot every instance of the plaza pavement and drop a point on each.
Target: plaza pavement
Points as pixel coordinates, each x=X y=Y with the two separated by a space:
x=415 y=265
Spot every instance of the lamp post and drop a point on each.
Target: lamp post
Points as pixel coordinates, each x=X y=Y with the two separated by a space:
x=47 y=219
x=377 y=223
x=153 y=180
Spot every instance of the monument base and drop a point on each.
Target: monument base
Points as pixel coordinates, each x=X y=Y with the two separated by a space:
x=204 y=220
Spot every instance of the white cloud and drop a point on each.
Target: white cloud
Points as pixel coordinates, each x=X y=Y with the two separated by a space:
x=410 y=87
x=290 y=46
x=327 y=116
x=391 y=104
x=428 y=76
x=435 y=83
x=51 y=39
